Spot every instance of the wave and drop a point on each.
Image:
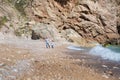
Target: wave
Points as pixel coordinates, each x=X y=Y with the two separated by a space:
x=105 y=53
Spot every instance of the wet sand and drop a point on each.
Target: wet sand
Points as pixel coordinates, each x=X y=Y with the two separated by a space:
x=102 y=66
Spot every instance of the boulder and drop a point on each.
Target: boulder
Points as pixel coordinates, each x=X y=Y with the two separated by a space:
x=43 y=30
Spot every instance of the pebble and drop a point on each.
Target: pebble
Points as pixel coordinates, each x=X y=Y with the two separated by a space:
x=18 y=52
x=8 y=59
x=115 y=67
x=32 y=59
x=105 y=76
x=104 y=66
x=12 y=56
x=7 y=49
x=29 y=79
x=12 y=77
x=110 y=73
x=15 y=70
x=78 y=60
x=1 y=78
x=2 y=64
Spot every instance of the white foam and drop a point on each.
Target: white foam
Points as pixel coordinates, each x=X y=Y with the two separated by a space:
x=105 y=53
x=74 y=48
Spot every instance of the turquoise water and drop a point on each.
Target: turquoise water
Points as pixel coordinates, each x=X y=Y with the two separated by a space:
x=114 y=48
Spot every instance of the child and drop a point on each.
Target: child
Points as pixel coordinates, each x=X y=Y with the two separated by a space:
x=52 y=44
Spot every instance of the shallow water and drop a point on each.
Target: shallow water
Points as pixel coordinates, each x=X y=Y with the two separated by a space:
x=75 y=48
x=109 y=52
x=114 y=48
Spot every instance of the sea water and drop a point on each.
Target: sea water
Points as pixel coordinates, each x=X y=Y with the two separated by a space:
x=110 y=52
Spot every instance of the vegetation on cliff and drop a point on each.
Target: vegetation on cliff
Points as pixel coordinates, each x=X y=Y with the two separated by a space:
x=3 y=20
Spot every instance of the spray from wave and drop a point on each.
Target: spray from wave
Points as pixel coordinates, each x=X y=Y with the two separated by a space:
x=105 y=53
x=74 y=48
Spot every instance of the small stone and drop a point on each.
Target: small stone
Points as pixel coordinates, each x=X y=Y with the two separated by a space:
x=2 y=64
x=115 y=67
x=15 y=70
x=29 y=79
x=12 y=56
x=104 y=66
x=78 y=60
x=7 y=49
x=105 y=76
x=8 y=59
x=1 y=78
x=12 y=77
x=110 y=73
x=19 y=52
x=119 y=78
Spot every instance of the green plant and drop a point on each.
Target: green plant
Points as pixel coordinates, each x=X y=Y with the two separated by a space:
x=11 y=25
x=20 y=6
x=3 y=20
x=23 y=30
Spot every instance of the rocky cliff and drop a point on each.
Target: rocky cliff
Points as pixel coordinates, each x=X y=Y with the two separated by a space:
x=72 y=20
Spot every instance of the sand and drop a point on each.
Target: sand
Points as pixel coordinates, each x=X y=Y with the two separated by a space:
x=30 y=60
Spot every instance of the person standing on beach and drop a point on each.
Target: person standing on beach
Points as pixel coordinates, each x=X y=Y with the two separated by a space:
x=52 y=44
x=47 y=41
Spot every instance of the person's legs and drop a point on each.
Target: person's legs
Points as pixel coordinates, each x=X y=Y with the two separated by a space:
x=52 y=46
x=47 y=45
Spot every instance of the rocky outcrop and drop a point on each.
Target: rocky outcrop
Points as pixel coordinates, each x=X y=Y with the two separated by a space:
x=91 y=20
x=72 y=20
x=42 y=30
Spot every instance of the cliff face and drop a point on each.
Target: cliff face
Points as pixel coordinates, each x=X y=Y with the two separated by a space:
x=10 y=19
x=74 y=20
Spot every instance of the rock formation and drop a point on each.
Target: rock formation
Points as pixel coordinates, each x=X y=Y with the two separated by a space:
x=72 y=20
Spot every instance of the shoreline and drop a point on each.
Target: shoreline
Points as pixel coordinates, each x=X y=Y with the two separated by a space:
x=106 y=67
x=58 y=63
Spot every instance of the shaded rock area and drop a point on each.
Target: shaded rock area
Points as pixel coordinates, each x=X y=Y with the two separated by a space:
x=118 y=26
x=113 y=41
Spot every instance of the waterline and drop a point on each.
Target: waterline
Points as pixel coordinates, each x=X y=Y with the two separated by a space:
x=105 y=53
x=109 y=53
x=75 y=48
